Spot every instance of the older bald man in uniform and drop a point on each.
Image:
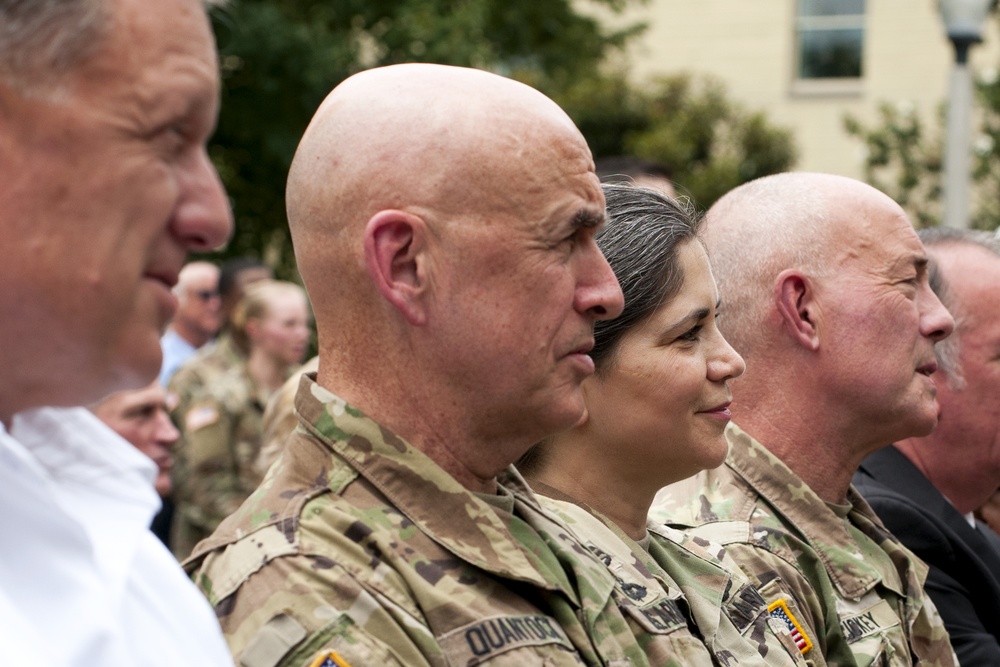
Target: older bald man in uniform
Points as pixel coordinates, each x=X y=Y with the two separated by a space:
x=443 y=222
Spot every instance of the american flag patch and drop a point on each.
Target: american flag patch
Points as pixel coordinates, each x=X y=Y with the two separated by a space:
x=779 y=610
x=329 y=659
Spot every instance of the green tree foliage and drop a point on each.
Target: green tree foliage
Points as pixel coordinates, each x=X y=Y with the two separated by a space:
x=279 y=59
x=903 y=159
x=709 y=143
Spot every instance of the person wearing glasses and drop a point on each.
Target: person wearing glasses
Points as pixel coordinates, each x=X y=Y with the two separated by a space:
x=198 y=318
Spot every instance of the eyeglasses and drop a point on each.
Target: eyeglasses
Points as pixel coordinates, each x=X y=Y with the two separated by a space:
x=206 y=294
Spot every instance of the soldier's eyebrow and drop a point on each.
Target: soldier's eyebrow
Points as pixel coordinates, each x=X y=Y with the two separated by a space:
x=912 y=261
x=587 y=218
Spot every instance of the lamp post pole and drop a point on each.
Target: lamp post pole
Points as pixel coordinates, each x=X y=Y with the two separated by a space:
x=963 y=20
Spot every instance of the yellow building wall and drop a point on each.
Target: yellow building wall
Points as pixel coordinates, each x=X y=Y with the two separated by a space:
x=750 y=46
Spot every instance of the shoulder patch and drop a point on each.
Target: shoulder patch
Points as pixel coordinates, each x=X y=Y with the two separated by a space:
x=200 y=417
x=329 y=659
x=779 y=610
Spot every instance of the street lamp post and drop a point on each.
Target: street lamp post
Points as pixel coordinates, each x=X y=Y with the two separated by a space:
x=963 y=21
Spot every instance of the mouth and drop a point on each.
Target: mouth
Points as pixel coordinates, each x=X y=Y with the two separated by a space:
x=581 y=356
x=928 y=369
x=168 y=277
x=164 y=463
x=720 y=410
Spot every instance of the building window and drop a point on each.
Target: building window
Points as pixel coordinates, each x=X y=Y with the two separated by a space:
x=829 y=36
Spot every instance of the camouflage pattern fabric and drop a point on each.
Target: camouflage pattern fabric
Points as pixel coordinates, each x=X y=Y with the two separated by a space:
x=836 y=574
x=280 y=418
x=221 y=435
x=728 y=614
x=357 y=549
x=204 y=369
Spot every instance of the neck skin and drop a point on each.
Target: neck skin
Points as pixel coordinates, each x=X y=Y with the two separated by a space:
x=193 y=335
x=440 y=429
x=582 y=469
x=267 y=372
x=823 y=449
x=965 y=493
x=824 y=463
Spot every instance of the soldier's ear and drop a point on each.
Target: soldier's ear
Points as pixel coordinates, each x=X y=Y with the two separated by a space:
x=395 y=258
x=794 y=298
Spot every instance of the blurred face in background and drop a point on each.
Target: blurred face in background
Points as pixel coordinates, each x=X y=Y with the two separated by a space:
x=282 y=332
x=141 y=417
x=199 y=307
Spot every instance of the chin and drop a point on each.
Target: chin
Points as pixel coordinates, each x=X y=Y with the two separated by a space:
x=714 y=452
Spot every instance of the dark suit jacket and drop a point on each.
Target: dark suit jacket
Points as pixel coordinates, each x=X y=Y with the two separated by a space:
x=964 y=578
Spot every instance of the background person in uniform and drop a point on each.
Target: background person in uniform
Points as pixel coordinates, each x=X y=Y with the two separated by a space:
x=443 y=221
x=657 y=406
x=197 y=319
x=105 y=109
x=212 y=361
x=141 y=417
x=222 y=431
x=279 y=417
x=925 y=488
x=827 y=299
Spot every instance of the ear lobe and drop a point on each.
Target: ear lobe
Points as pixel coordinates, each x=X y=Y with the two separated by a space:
x=394 y=247
x=793 y=295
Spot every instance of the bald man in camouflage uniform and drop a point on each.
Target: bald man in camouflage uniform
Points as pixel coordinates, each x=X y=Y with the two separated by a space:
x=443 y=221
x=827 y=294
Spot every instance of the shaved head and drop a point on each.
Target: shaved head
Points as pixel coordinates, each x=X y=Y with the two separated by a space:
x=827 y=298
x=791 y=220
x=437 y=140
x=443 y=223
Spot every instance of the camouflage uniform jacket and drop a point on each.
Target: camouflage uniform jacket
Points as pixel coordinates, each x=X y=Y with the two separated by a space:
x=728 y=613
x=209 y=364
x=358 y=550
x=215 y=460
x=280 y=418
x=847 y=586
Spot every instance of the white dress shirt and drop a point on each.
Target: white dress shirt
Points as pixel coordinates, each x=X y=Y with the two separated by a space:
x=83 y=581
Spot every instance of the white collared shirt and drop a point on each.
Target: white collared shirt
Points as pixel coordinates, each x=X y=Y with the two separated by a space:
x=83 y=582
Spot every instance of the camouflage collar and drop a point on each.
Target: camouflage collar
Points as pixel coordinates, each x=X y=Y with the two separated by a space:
x=433 y=500
x=791 y=497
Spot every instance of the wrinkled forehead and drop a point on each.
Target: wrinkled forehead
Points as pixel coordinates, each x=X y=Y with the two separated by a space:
x=516 y=162
x=875 y=233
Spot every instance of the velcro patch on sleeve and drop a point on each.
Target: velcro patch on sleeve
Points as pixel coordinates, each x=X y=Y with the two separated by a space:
x=779 y=610
x=272 y=642
x=483 y=640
